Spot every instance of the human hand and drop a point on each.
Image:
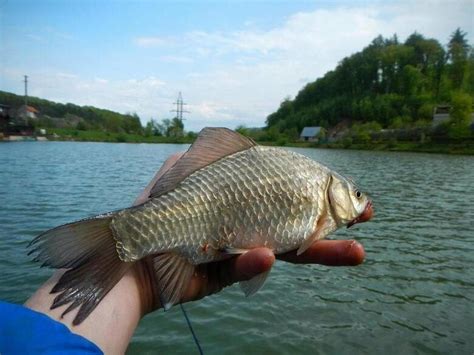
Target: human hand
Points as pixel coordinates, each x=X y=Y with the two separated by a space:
x=213 y=277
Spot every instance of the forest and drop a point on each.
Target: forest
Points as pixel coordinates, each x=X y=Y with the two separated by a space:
x=54 y=115
x=388 y=85
x=70 y=121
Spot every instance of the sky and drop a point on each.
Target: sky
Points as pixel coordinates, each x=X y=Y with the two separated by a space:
x=233 y=61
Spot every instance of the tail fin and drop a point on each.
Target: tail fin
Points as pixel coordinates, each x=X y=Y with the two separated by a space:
x=87 y=248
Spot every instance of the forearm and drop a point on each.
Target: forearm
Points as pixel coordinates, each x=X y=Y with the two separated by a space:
x=112 y=323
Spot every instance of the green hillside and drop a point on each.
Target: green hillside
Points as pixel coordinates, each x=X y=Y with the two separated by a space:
x=388 y=84
x=57 y=115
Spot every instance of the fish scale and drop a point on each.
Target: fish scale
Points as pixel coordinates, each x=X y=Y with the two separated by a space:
x=261 y=196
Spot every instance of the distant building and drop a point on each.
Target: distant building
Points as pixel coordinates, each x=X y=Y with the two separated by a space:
x=15 y=121
x=311 y=134
x=441 y=115
x=4 y=110
x=26 y=112
x=4 y=119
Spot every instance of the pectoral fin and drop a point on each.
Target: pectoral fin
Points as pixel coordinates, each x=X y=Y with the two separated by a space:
x=251 y=286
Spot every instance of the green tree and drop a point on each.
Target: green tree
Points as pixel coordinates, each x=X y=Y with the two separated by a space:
x=392 y=83
x=131 y=124
x=469 y=83
x=242 y=130
x=175 y=128
x=458 y=50
x=460 y=115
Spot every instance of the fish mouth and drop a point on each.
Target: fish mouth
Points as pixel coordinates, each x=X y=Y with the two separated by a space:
x=364 y=216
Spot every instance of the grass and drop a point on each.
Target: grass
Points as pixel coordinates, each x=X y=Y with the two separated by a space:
x=61 y=134
x=431 y=147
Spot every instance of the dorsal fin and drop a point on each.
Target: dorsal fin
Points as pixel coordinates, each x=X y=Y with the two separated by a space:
x=211 y=145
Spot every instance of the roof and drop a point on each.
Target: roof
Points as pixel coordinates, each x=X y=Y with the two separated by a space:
x=27 y=108
x=441 y=109
x=310 y=131
x=439 y=118
x=31 y=109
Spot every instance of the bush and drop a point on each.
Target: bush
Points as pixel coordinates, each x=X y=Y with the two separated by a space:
x=347 y=142
x=392 y=142
x=282 y=141
x=81 y=126
x=121 y=138
x=400 y=122
x=425 y=112
x=460 y=116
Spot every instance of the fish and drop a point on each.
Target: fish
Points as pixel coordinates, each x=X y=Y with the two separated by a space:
x=226 y=195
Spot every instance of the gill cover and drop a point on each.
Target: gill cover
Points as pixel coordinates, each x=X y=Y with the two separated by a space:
x=347 y=202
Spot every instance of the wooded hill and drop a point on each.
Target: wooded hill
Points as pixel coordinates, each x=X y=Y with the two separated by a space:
x=57 y=115
x=388 y=83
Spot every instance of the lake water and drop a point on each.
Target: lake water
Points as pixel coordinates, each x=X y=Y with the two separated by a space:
x=413 y=294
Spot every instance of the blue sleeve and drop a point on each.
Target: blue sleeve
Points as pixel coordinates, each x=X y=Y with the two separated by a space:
x=24 y=331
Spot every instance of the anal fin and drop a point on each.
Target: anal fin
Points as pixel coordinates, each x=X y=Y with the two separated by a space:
x=173 y=274
x=251 y=286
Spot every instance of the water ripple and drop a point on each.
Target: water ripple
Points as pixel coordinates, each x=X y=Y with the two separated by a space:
x=414 y=293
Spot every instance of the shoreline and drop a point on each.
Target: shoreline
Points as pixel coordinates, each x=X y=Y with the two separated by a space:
x=432 y=148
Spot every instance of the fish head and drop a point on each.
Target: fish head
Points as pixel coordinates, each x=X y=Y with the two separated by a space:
x=348 y=203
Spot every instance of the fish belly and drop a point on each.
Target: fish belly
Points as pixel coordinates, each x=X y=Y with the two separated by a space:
x=259 y=197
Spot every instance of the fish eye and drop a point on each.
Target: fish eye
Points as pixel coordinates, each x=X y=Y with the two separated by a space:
x=358 y=194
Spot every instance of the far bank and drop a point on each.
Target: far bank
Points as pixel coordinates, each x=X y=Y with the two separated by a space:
x=463 y=148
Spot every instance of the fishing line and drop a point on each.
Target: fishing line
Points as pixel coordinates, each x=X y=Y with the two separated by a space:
x=196 y=340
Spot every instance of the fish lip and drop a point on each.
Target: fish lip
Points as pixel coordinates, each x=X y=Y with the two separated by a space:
x=364 y=216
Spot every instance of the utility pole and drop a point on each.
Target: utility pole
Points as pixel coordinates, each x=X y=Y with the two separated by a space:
x=26 y=89
x=179 y=107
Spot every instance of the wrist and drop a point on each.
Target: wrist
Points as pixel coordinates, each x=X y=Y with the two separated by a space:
x=143 y=273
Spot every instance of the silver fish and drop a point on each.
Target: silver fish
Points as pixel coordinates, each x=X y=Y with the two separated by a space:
x=225 y=196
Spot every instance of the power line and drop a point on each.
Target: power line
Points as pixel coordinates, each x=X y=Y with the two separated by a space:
x=179 y=107
x=26 y=89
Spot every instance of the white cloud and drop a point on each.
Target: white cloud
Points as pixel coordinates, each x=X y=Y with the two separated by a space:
x=267 y=66
x=148 y=42
x=176 y=59
x=101 y=81
x=146 y=96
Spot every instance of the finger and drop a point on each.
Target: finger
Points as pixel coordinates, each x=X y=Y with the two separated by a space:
x=212 y=277
x=250 y=264
x=143 y=197
x=329 y=252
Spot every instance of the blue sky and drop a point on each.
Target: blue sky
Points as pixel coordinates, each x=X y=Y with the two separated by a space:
x=234 y=61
